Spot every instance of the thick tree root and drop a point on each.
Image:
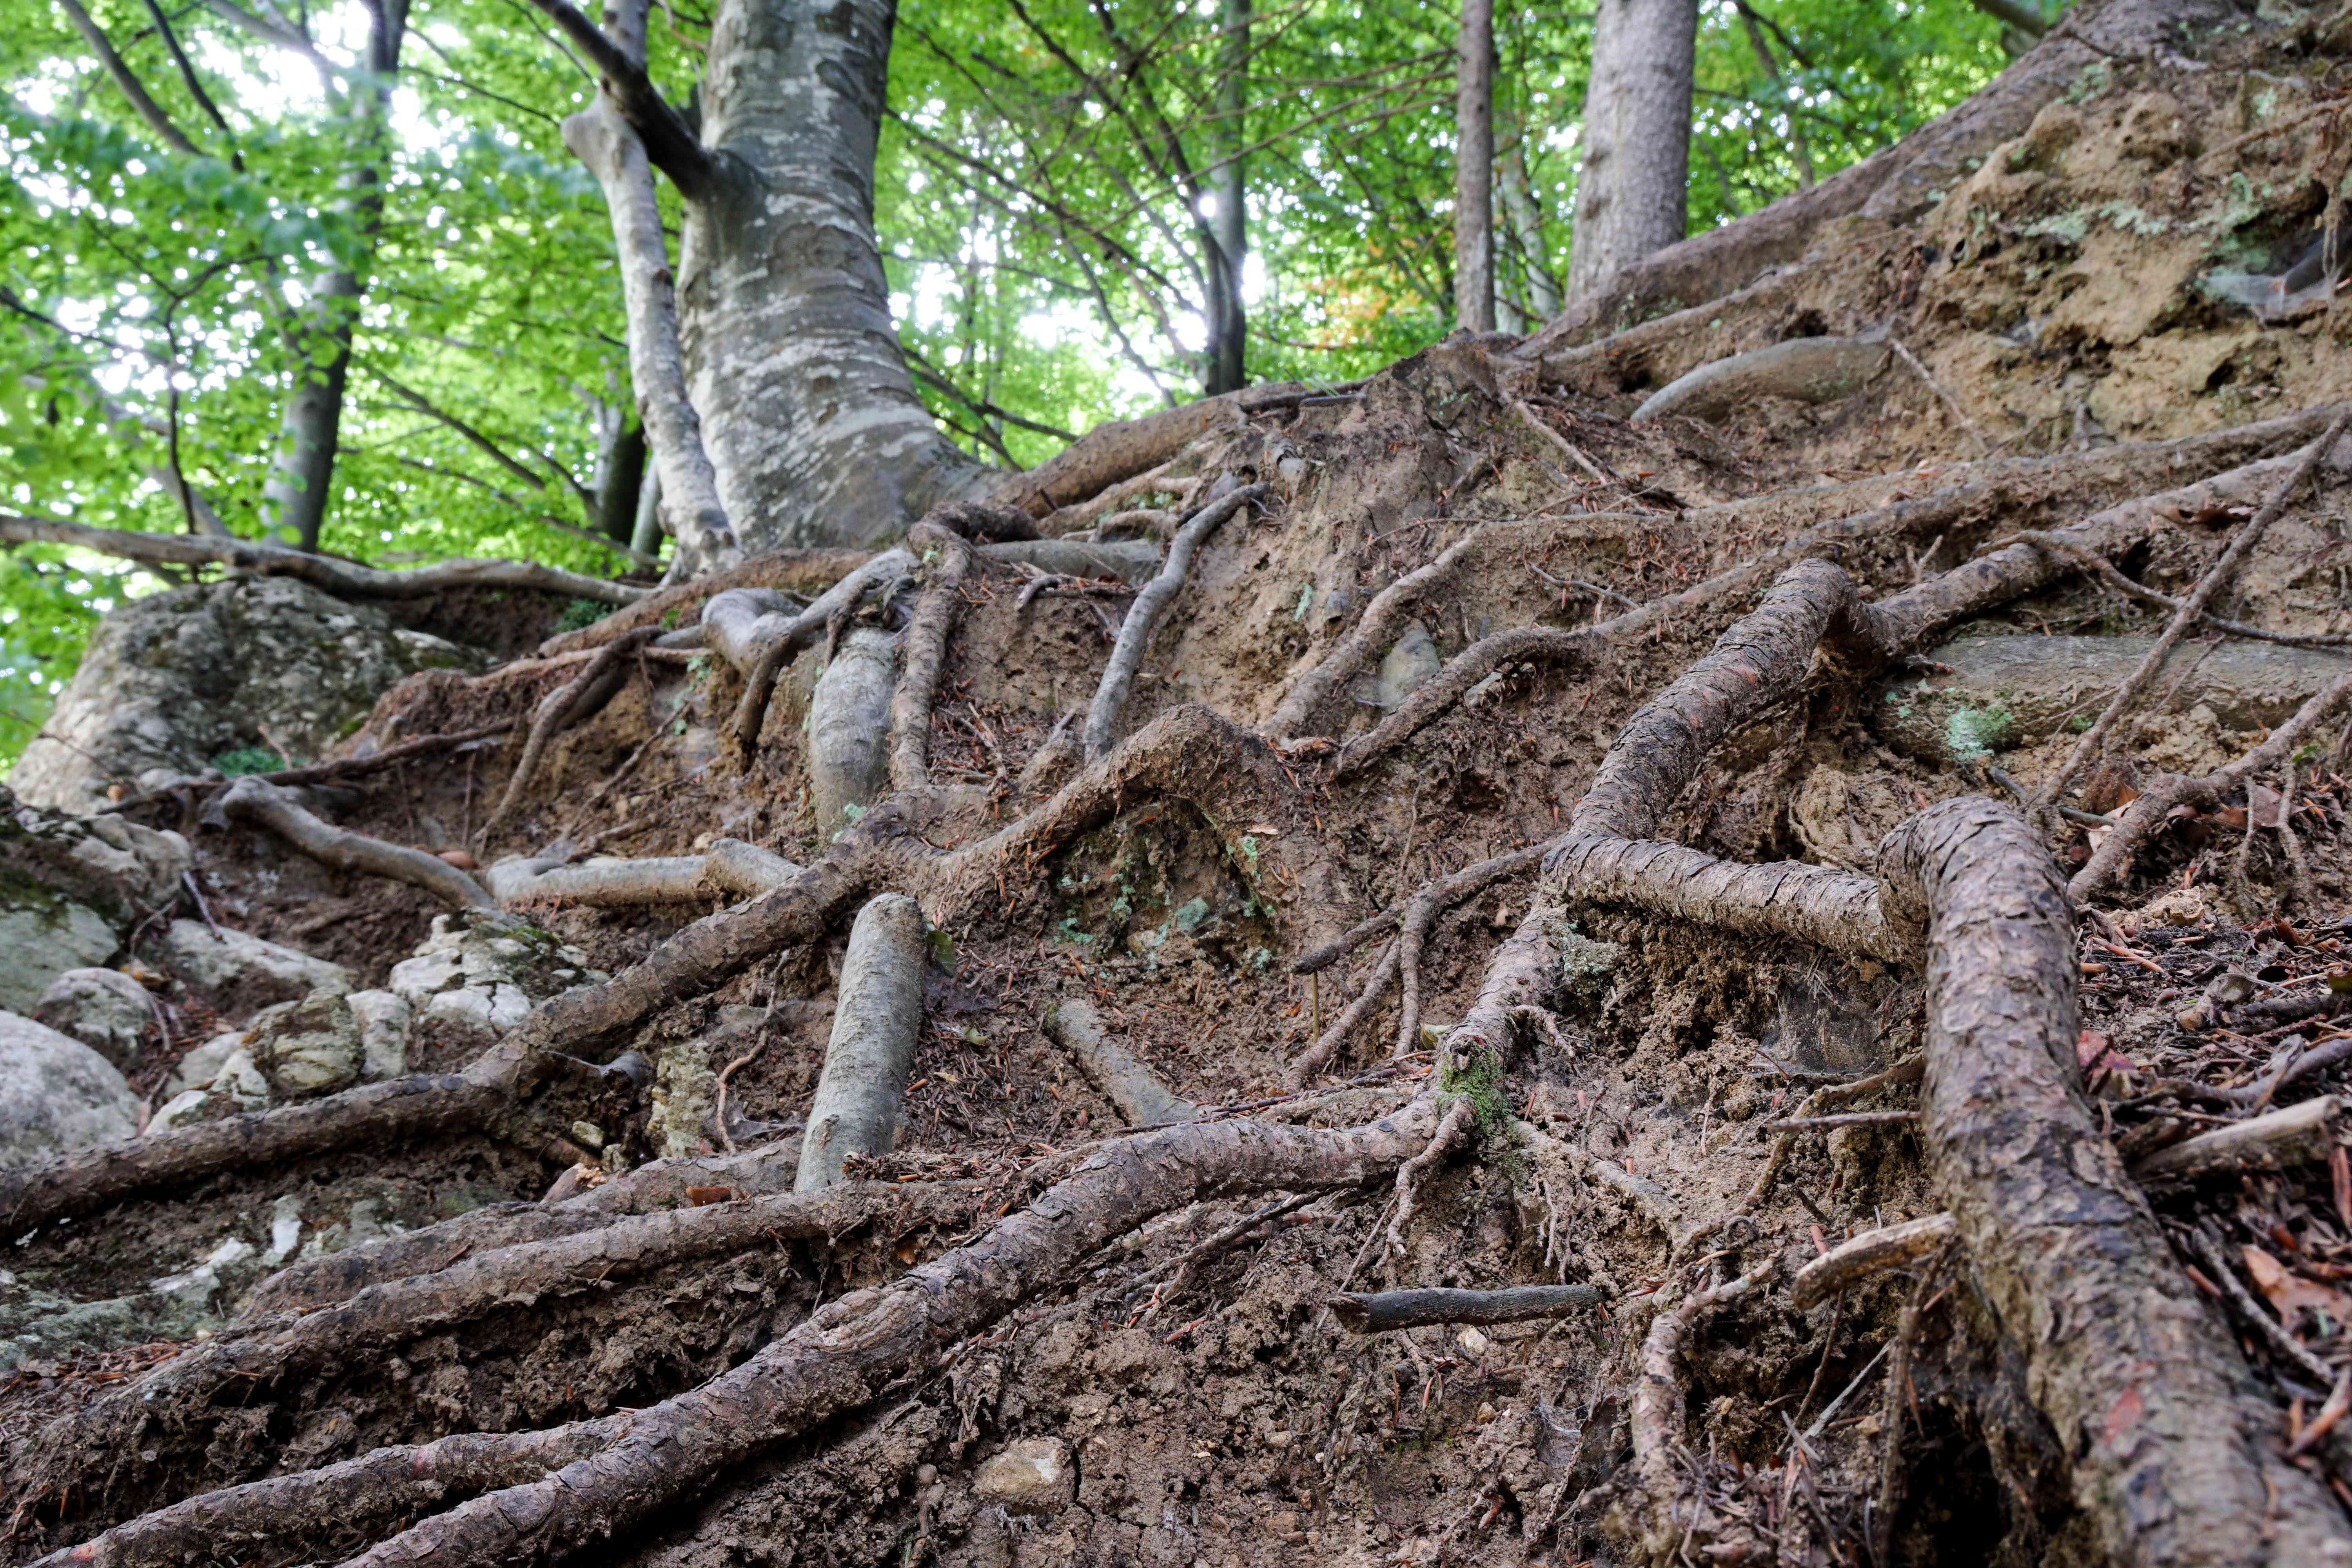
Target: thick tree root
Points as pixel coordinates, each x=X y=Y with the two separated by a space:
x=96 y=1439
x=731 y=869
x=254 y=800
x=803 y=571
x=849 y=753
x=1810 y=369
x=88 y=1180
x=876 y=1021
x=1133 y=1088
x=336 y=1503
x=1135 y=632
x=2278 y=1140
x=852 y=1348
x=936 y=614
x=2173 y=1455
x=1390 y=1310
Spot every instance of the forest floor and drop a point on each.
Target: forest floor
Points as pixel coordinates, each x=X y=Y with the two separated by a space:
x=2072 y=354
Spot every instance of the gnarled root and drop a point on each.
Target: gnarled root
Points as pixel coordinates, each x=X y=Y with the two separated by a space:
x=852 y=1348
x=575 y=701
x=729 y=869
x=254 y=800
x=1872 y=1253
x=95 y=1439
x=88 y=1180
x=849 y=730
x=1135 y=632
x=1670 y=1520
x=2174 y=1463
x=1812 y=370
x=875 y=1023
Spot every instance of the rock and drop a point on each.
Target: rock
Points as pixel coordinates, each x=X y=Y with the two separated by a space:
x=177 y=1307
x=203 y=1064
x=172 y=680
x=1412 y=661
x=105 y=1009
x=236 y=972
x=119 y=868
x=56 y=1094
x=383 y=1033
x=1033 y=1475
x=2007 y=691
x=42 y=936
x=486 y=971
x=308 y=1047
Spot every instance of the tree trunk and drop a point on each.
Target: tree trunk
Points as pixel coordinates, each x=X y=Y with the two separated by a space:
x=1542 y=298
x=294 y=498
x=621 y=477
x=1229 y=226
x=1474 y=168
x=810 y=417
x=1630 y=196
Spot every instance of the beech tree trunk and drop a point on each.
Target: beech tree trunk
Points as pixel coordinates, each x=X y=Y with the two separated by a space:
x=1474 y=168
x=1630 y=195
x=1229 y=226
x=808 y=413
x=294 y=498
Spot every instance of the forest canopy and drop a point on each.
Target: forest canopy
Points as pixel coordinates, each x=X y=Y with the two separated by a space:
x=209 y=209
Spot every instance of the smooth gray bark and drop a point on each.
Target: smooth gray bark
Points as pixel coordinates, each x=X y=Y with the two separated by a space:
x=1134 y=1089
x=1474 y=168
x=1631 y=193
x=809 y=416
x=877 y=1015
x=601 y=137
x=295 y=496
x=849 y=730
x=1229 y=226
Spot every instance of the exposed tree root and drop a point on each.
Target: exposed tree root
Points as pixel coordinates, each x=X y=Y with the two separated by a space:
x=852 y=1348
x=1671 y=1522
x=2112 y=860
x=254 y=800
x=576 y=701
x=1120 y=450
x=343 y=578
x=88 y=1180
x=336 y=1504
x=2001 y=574
x=2104 y=571
x=1135 y=1089
x=926 y=642
x=96 y=1439
x=848 y=751
x=2300 y=1134
x=731 y=869
x=1810 y=369
x=2173 y=1461
x=1135 y=632
x=875 y=1023
x=1390 y=1310
x=803 y=571
x=1310 y=1061
x=2191 y=606
x=1864 y=1257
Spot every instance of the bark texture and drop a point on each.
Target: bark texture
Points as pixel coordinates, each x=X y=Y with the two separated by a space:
x=811 y=419
x=875 y=1023
x=1630 y=188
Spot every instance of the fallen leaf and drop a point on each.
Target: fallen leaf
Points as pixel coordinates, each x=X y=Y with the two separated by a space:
x=699 y=1196
x=2290 y=1292
x=2090 y=1045
x=2229 y=817
x=2267 y=806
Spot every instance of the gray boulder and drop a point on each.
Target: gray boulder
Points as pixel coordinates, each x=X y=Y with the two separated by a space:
x=105 y=1009
x=486 y=971
x=308 y=1047
x=56 y=1094
x=236 y=972
x=172 y=680
x=69 y=887
x=383 y=1033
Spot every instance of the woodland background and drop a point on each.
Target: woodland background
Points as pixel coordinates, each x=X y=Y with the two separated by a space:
x=1047 y=173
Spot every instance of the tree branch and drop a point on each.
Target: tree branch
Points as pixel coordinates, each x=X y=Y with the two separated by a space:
x=668 y=141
